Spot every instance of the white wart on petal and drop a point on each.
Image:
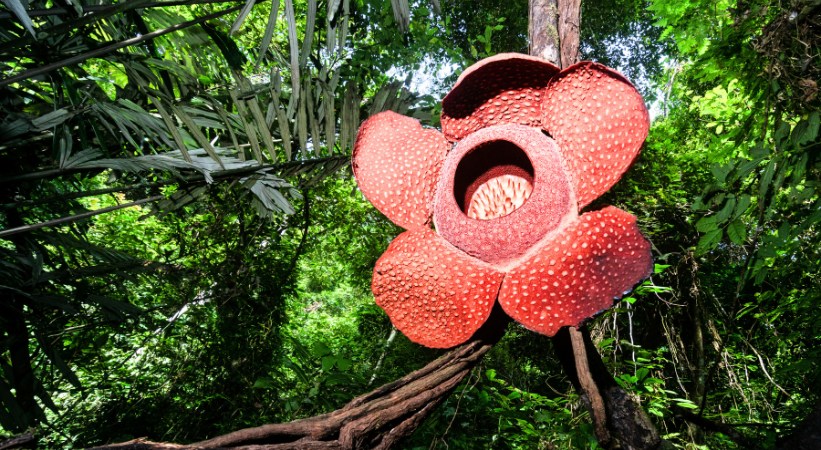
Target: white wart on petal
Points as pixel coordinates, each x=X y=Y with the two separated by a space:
x=507 y=88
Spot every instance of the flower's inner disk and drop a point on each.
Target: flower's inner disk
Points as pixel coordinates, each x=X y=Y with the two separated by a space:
x=499 y=197
x=493 y=180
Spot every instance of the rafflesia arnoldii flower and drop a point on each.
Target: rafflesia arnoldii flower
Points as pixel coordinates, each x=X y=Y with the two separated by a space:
x=533 y=146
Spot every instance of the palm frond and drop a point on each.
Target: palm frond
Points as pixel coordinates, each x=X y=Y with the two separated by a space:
x=19 y=10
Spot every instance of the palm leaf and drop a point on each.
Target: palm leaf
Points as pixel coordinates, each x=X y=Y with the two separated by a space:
x=302 y=126
x=269 y=31
x=243 y=14
x=172 y=128
x=282 y=119
x=262 y=127
x=310 y=22
x=294 y=47
x=19 y=10
x=312 y=119
x=197 y=133
x=250 y=133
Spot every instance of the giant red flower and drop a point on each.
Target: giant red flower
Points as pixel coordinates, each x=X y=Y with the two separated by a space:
x=533 y=146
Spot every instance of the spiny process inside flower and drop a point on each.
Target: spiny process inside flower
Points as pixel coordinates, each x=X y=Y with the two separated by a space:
x=493 y=180
x=499 y=197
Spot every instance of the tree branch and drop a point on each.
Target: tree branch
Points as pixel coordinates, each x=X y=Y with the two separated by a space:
x=378 y=419
x=588 y=386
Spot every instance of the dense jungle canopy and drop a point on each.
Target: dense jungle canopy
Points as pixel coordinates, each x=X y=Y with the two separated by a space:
x=184 y=251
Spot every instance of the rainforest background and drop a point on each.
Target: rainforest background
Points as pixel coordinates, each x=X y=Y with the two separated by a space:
x=184 y=252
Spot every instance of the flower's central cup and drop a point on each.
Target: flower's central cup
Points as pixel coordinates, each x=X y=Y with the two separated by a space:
x=493 y=180
x=502 y=190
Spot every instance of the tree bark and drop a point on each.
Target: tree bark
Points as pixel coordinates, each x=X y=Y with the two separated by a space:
x=626 y=423
x=569 y=28
x=543 y=29
x=554 y=30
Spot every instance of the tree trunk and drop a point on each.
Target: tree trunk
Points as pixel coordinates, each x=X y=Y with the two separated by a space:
x=543 y=28
x=618 y=420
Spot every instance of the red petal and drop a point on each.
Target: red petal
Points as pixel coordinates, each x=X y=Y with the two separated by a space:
x=433 y=293
x=396 y=163
x=600 y=123
x=579 y=273
x=506 y=88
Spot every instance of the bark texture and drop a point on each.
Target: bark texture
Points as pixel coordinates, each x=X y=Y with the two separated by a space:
x=569 y=28
x=543 y=30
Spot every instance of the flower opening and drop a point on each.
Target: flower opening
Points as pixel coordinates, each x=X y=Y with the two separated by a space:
x=493 y=180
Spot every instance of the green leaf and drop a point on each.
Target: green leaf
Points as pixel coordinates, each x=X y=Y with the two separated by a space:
x=19 y=10
x=737 y=232
x=249 y=5
x=810 y=130
x=50 y=120
x=706 y=224
x=726 y=210
x=766 y=179
x=320 y=349
x=720 y=171
x=781 y=134
x=264 y=383
x=685 y=403
x=328 y=363
x=343 y=364
x=741 y=206
x=745 y=168
x=709 y=240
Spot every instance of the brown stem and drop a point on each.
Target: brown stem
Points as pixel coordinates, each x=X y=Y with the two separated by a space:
x=588 y=386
